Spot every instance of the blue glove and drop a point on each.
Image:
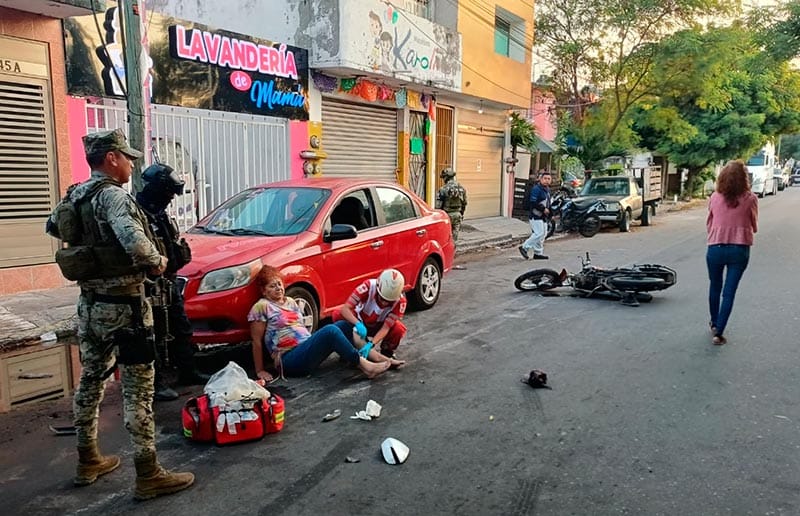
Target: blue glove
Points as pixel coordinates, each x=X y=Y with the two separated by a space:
x=361 y=330
x=364 y=352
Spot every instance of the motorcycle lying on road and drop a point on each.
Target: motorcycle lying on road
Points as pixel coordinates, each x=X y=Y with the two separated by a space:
x=628 y=284
x=569 y=215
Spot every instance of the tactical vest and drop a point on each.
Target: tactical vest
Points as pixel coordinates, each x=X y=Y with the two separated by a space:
x=87 y=254
x=453 y=201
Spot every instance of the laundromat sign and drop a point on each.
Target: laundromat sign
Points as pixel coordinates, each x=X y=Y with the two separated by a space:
x=266 y=73
x=193 y=66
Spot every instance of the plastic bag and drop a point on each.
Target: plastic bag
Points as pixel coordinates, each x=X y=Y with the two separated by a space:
x=230 y=386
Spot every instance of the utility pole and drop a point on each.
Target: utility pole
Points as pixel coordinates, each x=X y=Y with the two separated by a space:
x=137 y=107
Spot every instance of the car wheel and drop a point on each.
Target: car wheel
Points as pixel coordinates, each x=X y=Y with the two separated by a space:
x=308 y=306
x=625 y=222
x=429 y=285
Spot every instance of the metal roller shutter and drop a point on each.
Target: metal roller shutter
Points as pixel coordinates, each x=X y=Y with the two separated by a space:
x=26 y=171
x=479 y=161
x=360 y=140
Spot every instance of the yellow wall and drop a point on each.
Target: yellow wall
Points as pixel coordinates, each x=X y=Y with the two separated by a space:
x=476 y=25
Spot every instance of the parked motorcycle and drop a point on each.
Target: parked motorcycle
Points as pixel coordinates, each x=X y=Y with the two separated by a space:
x=629 y=284
x=569 y=215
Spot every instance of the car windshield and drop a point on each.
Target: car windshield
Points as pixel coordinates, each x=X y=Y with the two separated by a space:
x=606 y=187
x=757 y=160
x=267 y=212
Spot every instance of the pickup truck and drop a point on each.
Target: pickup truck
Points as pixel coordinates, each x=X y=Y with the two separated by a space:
x=628 y=197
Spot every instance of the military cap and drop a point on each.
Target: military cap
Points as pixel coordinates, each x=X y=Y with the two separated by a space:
x=106 y=141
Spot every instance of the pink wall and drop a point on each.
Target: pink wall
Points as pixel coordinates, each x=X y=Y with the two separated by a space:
x=298 y=141
x=76 y=122
x=543 y=116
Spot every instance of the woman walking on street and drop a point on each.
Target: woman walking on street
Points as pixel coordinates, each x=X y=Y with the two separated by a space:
x=732 y=221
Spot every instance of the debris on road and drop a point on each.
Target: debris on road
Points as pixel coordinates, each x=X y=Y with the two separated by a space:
x=63 y=430
x=333 y=415
x=373 y=409
x=782 y=417
x=351 y=460
x=537 y=379
x=362 y=415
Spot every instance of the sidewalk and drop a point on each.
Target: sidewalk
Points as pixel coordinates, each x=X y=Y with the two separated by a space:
x=25 y=317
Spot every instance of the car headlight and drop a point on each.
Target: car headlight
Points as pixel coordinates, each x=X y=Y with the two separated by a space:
x=611 y=206
x=229 y=277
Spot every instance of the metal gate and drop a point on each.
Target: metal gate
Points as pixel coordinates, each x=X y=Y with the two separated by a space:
x=418 y=155
x=217 y=154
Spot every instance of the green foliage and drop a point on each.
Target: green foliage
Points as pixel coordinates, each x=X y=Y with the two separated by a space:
x=523 y=133
x=720 y=97
x=790 y=146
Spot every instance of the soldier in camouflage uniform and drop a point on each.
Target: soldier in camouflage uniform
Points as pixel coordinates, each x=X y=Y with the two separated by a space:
x=115 y=319
x=452 y=198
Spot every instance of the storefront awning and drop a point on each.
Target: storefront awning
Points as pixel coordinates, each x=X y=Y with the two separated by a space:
x=545 y=146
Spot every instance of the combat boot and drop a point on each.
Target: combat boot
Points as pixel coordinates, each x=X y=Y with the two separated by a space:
x=152 y=480
x=91 y=464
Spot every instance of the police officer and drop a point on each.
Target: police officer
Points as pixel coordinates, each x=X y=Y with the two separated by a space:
x=172 y=326
x=452 y=198
x=109 y=251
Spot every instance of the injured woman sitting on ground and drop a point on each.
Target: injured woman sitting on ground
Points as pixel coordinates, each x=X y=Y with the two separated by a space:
x=276 y=326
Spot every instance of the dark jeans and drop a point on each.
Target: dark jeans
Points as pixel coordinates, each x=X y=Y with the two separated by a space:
x=307 y=356
x=718 y=258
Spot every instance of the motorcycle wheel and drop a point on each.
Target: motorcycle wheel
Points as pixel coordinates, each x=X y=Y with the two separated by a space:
x=590 y=227
x=630 y=283
x=537 y=280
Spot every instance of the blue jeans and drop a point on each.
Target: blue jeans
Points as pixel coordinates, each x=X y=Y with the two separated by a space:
x=538 y=234
x=309 y=354
x=735 y=258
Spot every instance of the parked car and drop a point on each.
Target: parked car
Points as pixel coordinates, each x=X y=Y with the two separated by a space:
x=572 y=180
x=781 y=176
x=624 y=197
x=794 y=179
x=326 y=235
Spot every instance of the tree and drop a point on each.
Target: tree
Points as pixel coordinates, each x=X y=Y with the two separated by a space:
x=721 y=97
x=610 y=44
x=523 y=134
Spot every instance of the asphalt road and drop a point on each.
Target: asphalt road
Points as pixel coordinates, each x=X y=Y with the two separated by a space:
x=646 y=416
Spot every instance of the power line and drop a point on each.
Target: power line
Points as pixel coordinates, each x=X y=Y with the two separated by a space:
x=459 y=60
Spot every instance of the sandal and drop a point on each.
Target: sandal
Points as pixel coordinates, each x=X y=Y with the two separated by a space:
x=719 y=340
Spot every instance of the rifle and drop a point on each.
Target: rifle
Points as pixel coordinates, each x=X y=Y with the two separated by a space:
x=160 y=294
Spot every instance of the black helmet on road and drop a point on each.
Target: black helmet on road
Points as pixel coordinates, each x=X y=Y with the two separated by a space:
x=164 y=178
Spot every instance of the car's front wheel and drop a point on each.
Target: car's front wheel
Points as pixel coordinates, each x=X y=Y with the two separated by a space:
x=308 y=306
x=429 y=285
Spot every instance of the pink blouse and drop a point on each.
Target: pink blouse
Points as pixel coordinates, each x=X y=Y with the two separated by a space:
x=728 y=225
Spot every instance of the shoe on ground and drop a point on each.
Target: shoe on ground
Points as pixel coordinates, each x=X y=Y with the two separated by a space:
x=540 y=257
x=164 y=393
x=152 y=480
x=524 y=253
x=91 y=464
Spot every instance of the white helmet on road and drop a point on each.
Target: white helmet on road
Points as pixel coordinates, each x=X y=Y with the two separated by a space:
x=390 y=284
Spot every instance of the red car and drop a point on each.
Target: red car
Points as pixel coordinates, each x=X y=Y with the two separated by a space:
x=326 y=235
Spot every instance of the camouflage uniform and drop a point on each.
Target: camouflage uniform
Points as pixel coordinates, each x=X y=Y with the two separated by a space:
x=118 y=218
x=452 y=198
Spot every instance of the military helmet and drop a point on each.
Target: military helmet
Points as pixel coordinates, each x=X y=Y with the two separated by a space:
x=164 y=178
x=447 y=173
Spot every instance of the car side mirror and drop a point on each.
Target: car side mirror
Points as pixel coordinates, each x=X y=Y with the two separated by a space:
x=340 y=232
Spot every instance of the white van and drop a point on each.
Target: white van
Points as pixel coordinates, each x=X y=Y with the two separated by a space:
x=761 y=167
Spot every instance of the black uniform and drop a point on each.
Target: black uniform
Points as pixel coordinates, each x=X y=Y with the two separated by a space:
x=161 y=186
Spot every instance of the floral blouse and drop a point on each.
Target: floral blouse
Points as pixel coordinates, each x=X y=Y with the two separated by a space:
x=285 y=328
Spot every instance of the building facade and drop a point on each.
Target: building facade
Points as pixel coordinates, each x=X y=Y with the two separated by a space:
x=393 y=90
x=34 y=137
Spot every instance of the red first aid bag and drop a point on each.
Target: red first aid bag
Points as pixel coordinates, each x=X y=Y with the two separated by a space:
x=204 y=423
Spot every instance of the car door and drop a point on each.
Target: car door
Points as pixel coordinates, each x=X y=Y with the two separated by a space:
x=635 y=198
x=403 y=230
x=346 y=263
